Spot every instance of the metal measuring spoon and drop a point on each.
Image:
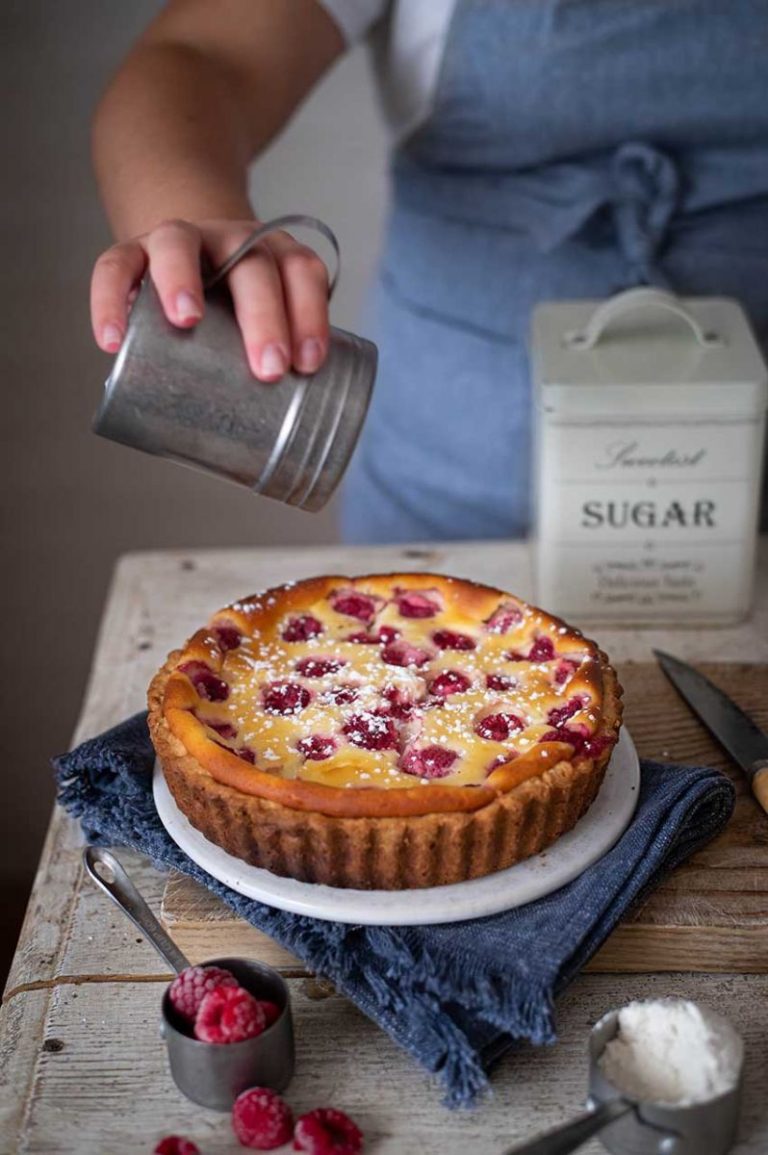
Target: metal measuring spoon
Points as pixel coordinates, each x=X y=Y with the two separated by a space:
x=631 y=1127
x=211 y=1074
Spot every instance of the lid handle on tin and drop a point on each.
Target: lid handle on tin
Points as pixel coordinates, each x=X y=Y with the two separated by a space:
x=629 y=302
x=293 y=220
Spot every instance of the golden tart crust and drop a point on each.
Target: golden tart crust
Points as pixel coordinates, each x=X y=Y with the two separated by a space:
x=387 y=731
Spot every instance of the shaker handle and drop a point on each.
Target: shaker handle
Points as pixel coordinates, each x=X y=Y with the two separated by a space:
x=258 y=234
x=629 y=302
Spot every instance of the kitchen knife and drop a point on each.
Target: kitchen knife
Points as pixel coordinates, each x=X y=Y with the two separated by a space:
x=746 y=743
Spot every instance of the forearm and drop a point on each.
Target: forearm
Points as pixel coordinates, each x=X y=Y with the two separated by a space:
x=207 y=87
x=171 y=140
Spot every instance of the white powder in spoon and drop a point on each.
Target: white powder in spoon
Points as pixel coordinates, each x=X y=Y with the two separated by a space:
x=672 y=1051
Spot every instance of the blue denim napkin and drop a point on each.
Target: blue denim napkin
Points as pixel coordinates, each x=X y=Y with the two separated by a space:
x=454 y=995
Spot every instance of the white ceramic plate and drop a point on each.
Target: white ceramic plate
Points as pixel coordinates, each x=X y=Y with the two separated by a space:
x=590 y=839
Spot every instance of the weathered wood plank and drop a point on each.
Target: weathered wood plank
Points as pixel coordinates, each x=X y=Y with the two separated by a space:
x=156 y=599
x=210 y=578
x=108 y=1090
x=57 y=884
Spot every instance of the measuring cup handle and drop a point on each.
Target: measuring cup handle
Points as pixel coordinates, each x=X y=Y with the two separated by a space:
x=258 y=234
x=573 y=1134
x=116 y=884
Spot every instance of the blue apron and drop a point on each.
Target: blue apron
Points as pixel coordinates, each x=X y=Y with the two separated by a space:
x=575 y=148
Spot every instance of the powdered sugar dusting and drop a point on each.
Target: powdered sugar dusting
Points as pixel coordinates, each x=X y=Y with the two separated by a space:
x=313 y=704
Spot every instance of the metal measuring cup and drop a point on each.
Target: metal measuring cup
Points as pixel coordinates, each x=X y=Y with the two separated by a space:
x=211 y=1074
x=630 y=1127
x=189 y=395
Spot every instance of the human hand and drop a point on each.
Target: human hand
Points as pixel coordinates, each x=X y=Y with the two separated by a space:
x=279 y=290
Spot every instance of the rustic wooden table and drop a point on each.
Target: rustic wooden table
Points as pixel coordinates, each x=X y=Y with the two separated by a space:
x=82 y=1067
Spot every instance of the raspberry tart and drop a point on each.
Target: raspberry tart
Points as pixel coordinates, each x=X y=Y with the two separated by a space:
x=389 y=731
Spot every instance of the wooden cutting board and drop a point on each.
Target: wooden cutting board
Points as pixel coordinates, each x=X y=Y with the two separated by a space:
x=711 y=914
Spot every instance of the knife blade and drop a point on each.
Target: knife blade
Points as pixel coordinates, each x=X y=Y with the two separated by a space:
x=746 y=743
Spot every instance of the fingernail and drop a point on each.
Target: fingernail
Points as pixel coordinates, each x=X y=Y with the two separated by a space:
x=310 y=355
x=111 y=338
x=187 y=308
x=273 y=361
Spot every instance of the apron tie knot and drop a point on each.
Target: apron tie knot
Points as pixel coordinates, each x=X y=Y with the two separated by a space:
x=646 y=189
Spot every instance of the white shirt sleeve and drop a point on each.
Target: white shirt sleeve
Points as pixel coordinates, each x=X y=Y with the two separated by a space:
x=409 y=43
x=355 y=18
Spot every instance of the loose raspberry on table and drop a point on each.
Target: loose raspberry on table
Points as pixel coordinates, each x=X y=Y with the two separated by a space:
x=231 y=1015
x=327 y=1131
x=262 y=1120
x=371 y=731
x=208 y=685
x=449 y=682
x=498 y=727
x=428 y=762
x=285 y=698
x=450 y=640
x=302 y=628
x=189 y=988
x=176 y=1145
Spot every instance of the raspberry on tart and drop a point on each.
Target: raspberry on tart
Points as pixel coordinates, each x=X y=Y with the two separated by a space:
x=428 y=762
x=404 y=653
x=506 y=618
x=301 y=628
x=388 y=731
x=450 y=640
x=498 y=727
x=316 y=747
x=449 y=682
x=413 y=604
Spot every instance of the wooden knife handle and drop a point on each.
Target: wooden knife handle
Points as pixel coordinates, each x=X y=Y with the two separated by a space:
x=760 y=784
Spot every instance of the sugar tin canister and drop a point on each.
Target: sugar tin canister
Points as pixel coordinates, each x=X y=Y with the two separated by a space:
x=650 y=414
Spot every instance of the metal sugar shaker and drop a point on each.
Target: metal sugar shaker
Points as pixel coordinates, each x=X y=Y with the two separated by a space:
x=189 y=395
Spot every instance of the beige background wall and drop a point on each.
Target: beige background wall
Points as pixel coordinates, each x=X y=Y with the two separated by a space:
x=71 y=503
